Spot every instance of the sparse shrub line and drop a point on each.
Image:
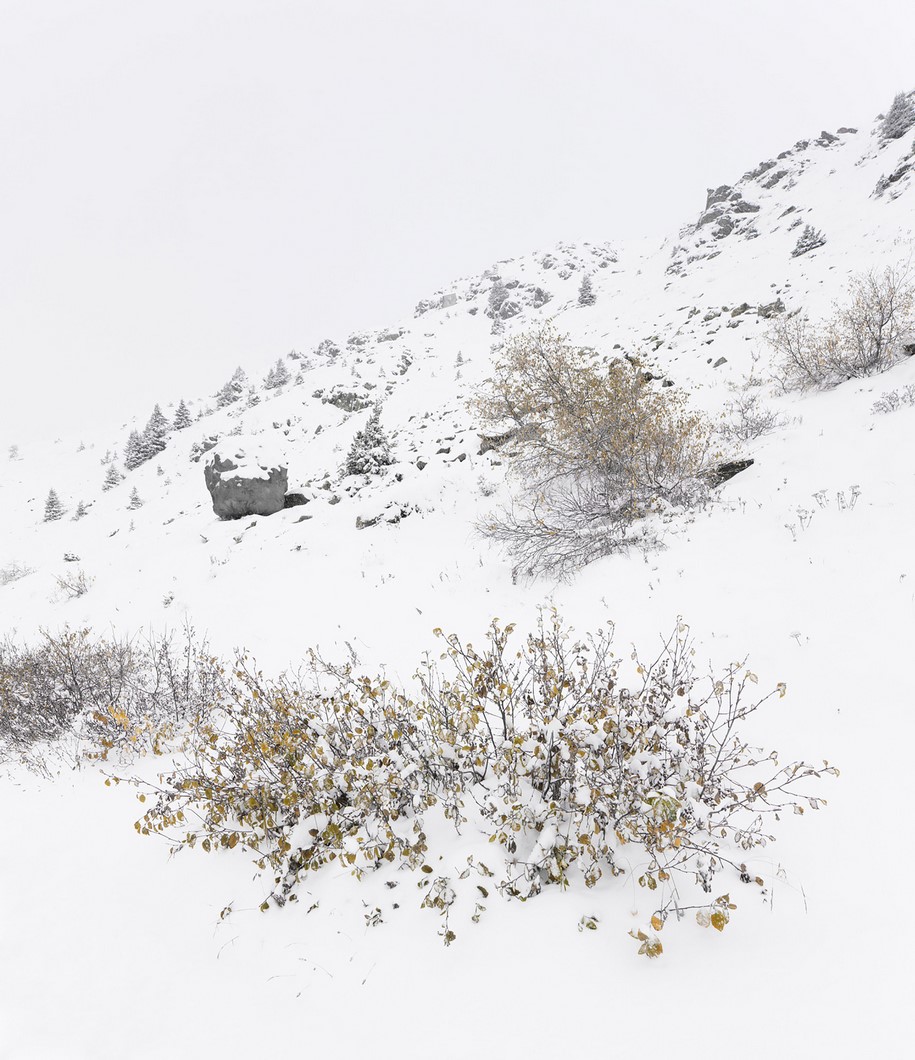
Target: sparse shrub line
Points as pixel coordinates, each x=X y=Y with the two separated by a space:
x=539 y=745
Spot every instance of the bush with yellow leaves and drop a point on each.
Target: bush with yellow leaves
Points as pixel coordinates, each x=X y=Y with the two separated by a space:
x=865 y=334
x=542 y=747
x=596 y=447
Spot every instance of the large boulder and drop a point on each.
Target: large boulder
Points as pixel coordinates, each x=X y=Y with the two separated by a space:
x=243 y=479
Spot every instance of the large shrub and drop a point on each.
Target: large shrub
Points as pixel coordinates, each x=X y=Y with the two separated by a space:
x=596 y=447
x=571 y=772
x=863 y=336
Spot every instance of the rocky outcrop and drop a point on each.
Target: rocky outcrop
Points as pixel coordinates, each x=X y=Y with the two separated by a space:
x=242 y=481
x=721 y=473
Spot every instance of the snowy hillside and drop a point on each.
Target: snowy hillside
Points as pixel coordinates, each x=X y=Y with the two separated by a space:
x=802 y=563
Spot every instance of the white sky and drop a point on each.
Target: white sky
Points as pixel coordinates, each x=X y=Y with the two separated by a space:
x=185 y=186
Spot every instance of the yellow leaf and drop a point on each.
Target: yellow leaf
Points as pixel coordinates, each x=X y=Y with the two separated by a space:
x=718 y=920
x=657 y=923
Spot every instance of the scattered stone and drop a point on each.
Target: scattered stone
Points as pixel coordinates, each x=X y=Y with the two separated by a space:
x=293 y=500
x=771 y=309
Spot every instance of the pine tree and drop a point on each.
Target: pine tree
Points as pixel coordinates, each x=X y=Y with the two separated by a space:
x=277 y=376
x=155 y=434
x=586 y=295
x=112 y=478
x=53 y=509
x=809 y=239
x=232 y=390
x=135 y=501
x=182 y=417
x=81 y=511
x=497 y=296
x=133 y=451
x=899 y=118
x=370 y=452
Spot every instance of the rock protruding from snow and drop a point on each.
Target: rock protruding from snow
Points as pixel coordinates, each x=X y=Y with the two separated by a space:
x=244 y=480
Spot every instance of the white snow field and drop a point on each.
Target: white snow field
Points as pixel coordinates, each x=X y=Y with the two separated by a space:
x=803 y=563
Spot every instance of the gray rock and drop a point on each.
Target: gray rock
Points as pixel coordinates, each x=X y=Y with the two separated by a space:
x=727 y=470
x=771 y=309
x=293 y=500
x=770 y=182
x=724 y=227
x=241 y=485
x=719 y=194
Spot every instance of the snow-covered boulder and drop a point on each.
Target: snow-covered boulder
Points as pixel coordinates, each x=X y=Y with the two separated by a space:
x=244 y=478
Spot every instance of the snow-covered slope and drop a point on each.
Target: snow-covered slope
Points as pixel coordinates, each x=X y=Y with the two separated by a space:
x=803 y=562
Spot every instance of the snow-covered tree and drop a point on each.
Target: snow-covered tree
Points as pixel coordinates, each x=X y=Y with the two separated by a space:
x=133 y=451
x=232 y=390
x=155 y=434
x=81 y=511
x=14 y=452
x=327 y=349
x=53 y=509
x=135 y=501
x=370 y=452
x=112 y=478
x=809 y=239
x=497 y=295
x=182 y=417
x=277 y=376
x=586 y=295
x=899 y=118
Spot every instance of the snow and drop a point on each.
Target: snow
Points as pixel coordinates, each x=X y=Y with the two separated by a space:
x=803 y=563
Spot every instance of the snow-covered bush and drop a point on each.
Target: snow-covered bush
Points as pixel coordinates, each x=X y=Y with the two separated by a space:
x=863 y=336
x=747 y=419
x=13 y=571
x=537 y=746
x=595 y=447
x=74 y=585
x=892 y=400
x=113 y=693
x=370 y=452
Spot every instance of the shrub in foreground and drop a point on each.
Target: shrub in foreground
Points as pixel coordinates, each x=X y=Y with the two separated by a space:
x=573 y=774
